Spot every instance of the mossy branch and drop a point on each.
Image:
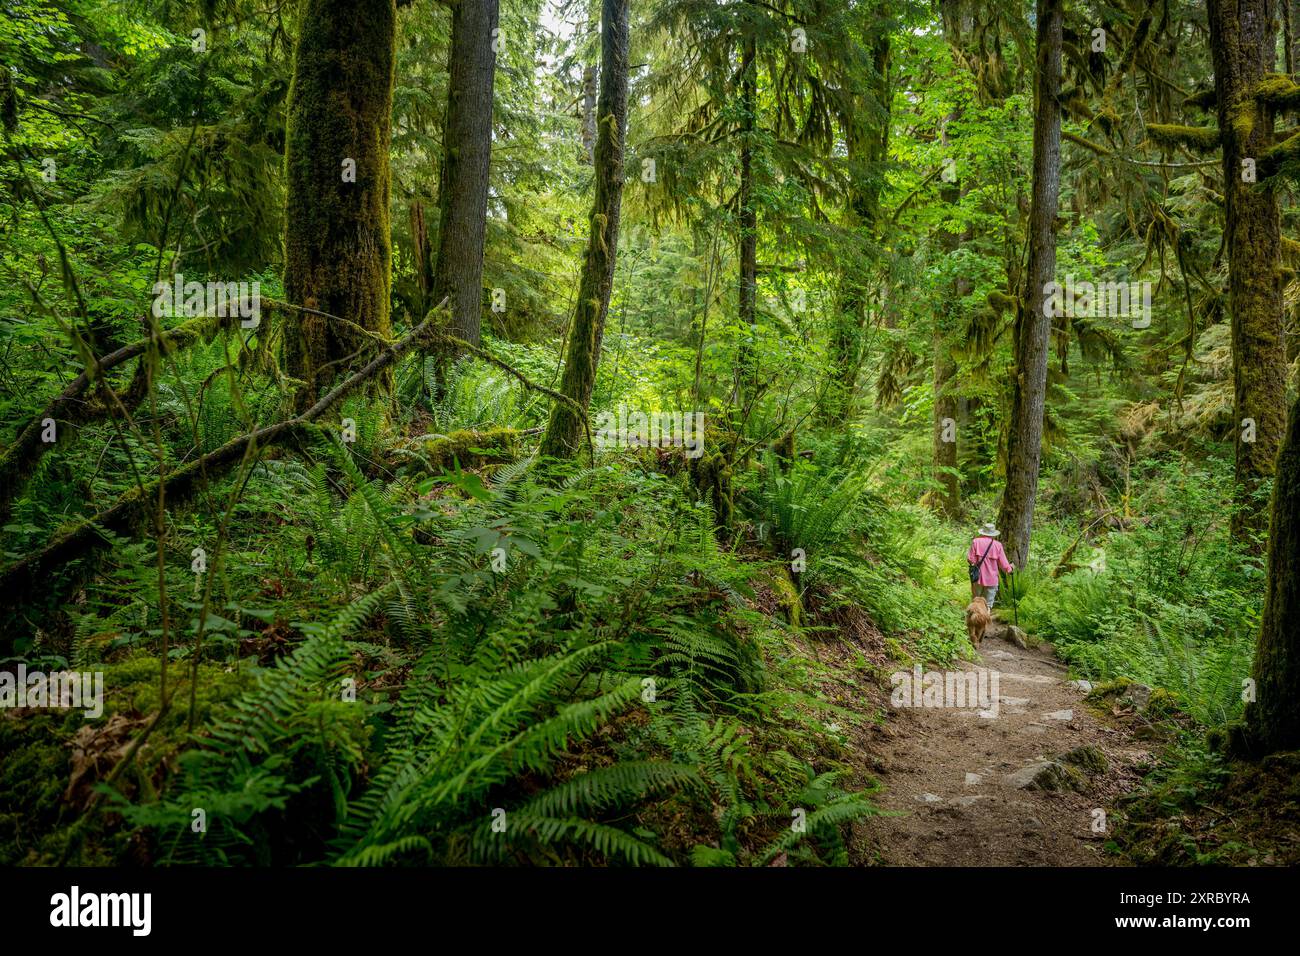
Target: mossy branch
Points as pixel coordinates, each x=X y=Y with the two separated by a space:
x=1278 y=91
x=69 y=407
x=1285 y=153
x=1000 y=302
x=1198 y=138
x=907 y=200
x=1085 y=143
x=447 y=339
x=36 y=570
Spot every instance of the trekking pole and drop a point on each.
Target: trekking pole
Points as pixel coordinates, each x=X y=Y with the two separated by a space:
x=1015 y=603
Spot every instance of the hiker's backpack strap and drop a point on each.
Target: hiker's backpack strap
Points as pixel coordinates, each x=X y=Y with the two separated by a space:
x=975 y=568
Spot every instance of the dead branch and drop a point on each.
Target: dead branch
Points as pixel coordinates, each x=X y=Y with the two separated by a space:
x=71 y=408
x=88 y=534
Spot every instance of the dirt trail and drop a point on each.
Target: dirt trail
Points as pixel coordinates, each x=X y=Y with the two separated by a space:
x=961 y=779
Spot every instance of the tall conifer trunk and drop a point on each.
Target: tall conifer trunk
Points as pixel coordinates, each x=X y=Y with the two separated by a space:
x=337 y=247
x=466 y=160
x=1033 y=325
x=564 y=430
x=747 y=288
x=1273 y=719
x=867 y=143
x=1242 y=41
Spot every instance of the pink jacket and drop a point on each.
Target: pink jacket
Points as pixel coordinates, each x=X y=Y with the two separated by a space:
x=995 y=558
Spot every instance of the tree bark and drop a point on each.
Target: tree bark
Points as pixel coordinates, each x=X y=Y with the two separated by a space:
x=588 y=114
x=1292 y=57
x=564 y=430
x=1243 y=44
x=947 y=498
x=421 y=261
x=948 y=407
x=467 y=156
x=1033 y=325
x=337 y=246
x=1273 y=719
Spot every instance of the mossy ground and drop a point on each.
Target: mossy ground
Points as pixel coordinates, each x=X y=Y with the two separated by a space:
x=1216 y=813
x=38 y=805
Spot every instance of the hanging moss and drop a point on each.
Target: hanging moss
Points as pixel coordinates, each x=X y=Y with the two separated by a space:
x=1202 y=138
x=1000 y=302
x=338 y=255
x=711 y=476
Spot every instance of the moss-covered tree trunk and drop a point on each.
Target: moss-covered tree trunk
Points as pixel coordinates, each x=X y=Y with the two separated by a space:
x=946 y=498
x=1243 y=43
x=337 y=247
x=1291 y=56
x=564 y=431
x=588 y=155
x=844 y=349
x=1033 y=324
x=1273 y=719
x=467 y=156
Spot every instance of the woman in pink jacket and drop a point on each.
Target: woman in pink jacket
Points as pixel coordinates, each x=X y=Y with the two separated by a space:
x=986 y=558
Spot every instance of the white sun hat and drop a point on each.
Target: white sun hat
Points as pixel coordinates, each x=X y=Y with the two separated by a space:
x=989 y=531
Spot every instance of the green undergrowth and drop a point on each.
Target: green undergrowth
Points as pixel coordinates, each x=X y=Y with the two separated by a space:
x=52 y=758
x=501 y=666
x=1168 y=599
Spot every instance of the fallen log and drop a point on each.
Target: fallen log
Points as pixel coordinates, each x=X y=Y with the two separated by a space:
x=71 y=408
x=88 y=534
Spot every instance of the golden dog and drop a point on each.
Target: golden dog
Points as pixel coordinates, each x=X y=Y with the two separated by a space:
x=977 y=620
